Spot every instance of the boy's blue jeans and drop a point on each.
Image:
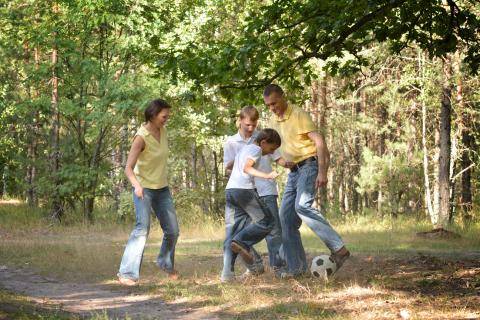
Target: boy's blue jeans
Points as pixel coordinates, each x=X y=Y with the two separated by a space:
x=248 y=221
x=296 y=208
x=161 y=203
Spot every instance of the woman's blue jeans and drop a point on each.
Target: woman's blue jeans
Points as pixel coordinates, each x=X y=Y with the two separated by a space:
x=161 y=203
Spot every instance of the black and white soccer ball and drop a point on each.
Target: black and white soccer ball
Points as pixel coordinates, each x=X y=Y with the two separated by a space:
x=323 y=266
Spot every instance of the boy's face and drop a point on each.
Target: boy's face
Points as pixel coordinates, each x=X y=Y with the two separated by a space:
x=247 y=126
x=267 y=148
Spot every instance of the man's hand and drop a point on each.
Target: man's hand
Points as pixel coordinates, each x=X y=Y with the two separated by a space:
x=321 y=180
x=284 y=163
x=289 y=164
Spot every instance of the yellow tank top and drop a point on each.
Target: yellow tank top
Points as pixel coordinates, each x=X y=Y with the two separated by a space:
x=151 y=166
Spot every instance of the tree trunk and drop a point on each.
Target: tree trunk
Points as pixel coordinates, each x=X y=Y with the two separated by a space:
x=357 y=108
x=319 y=110
x=381 y=147
x=442 y=188
x=216 y=182
x=4 y=181
x=92 y=186
x=467 y=142
x=32 y=198
x=207 y=206
x=57 y=210
x=194 y=166
x=428 y=196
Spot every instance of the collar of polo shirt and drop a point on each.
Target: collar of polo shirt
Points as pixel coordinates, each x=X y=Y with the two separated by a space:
x=286 y=114
x=238 y=137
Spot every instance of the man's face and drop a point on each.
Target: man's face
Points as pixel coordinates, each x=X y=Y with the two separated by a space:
x=247 y=126
x=276 y=103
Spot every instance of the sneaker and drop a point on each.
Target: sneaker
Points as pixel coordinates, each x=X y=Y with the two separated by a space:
x=228 y=277
x=127 y=281
x=173 y=274
x=244 y=253
x=340 y=257
x=247 y=274
x=283 y=273
x=256 y=268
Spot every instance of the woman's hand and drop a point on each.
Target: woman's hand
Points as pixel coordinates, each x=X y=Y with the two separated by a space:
x=139 y=191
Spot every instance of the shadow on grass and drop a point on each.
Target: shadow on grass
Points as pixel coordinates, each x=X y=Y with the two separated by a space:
x=297 y=310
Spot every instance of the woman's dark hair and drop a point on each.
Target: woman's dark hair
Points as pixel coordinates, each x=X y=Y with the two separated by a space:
x=154 y=108
x=269 y=135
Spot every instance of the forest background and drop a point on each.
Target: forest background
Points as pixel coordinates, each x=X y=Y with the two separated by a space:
x=392 y=85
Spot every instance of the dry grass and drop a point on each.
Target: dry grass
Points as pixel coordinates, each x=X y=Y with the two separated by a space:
x=393 y=274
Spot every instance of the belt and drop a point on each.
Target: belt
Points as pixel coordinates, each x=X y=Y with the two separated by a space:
x=303 y=162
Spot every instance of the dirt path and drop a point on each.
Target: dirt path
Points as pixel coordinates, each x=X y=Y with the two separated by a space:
x=90 y=299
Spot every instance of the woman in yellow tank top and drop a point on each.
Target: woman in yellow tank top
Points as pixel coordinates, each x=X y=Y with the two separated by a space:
x=147 y=171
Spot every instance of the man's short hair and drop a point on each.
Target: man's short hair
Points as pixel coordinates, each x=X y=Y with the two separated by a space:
x=271 y=88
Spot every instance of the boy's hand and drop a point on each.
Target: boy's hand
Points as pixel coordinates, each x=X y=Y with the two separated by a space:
x=272 y=175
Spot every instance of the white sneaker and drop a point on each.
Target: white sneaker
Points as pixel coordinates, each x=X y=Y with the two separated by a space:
x=229 y=277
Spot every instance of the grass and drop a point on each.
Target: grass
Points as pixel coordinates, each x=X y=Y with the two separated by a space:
x=392 y=270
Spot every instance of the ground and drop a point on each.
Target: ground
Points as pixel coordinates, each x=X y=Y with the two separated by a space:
x=49 y=272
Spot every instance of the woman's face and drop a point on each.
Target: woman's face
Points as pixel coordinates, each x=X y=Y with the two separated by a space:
x=161 y=118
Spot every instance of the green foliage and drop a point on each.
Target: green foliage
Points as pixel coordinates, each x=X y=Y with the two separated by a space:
x=126 y=209
x=276 y=41
x=209 y=59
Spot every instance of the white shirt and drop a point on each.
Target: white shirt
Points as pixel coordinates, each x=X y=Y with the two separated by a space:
x=239 y=179
x=232 y=146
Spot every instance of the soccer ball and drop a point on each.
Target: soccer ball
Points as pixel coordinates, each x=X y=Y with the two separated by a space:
x=323 y=266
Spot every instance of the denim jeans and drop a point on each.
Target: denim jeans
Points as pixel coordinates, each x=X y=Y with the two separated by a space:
x=161 y=203
x=297 y=207
x=274 y=238
x=252 y=221
x=228 y=256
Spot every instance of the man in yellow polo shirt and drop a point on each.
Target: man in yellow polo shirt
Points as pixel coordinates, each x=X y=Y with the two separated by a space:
x=307 y=151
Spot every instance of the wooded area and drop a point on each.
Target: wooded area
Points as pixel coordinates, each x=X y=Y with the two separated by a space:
x=393 y=85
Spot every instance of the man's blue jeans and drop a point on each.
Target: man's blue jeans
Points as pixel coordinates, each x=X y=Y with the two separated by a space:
x=296 y=207
x=161 y=203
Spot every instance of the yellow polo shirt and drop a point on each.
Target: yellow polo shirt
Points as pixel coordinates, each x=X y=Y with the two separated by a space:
x=293 y=128
x=151 y=166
